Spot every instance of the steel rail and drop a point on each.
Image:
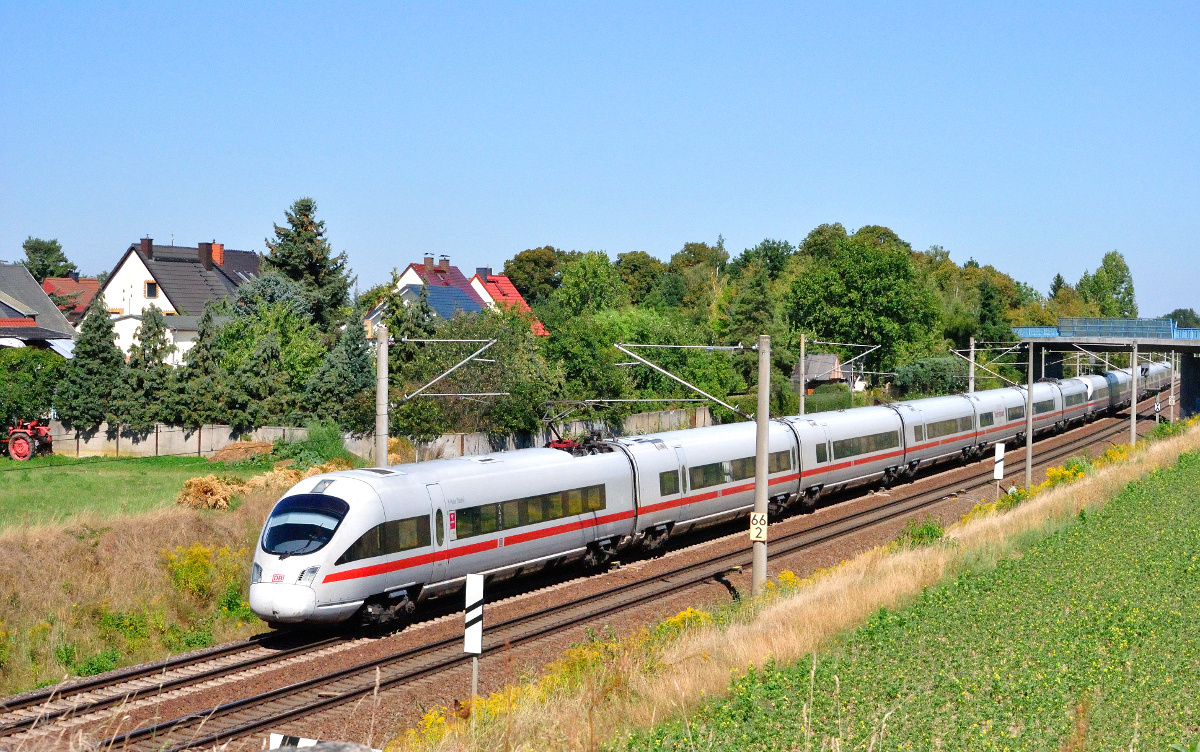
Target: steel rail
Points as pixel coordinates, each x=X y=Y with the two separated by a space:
x=654 y=587
x=50 y=714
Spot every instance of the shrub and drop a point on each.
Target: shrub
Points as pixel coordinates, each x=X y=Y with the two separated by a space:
x=201 y=571
x=931 y=376
x=322 y=444
x=923 y=533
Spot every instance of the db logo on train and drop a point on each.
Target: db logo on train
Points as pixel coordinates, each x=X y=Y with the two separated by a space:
x=276 y=578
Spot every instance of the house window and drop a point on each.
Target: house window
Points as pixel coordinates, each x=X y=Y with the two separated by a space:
x=151 y=290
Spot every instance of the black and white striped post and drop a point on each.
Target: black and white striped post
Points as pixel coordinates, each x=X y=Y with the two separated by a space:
x=473 y=632
x=998 y=468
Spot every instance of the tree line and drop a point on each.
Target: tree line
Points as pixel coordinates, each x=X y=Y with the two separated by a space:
x=290 y=346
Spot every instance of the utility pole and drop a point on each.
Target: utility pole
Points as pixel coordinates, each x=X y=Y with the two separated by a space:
x=802 y=376
x=1043 y=375
x=1171 y=401
x=1029 y=421
x=381 y=396
x=1133 y=396
x=971 y=370
x=762 y=417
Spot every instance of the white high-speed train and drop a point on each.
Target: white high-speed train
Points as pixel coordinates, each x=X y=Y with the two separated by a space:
x=374 y=542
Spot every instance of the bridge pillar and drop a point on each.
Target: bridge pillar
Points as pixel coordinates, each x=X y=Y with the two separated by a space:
x=1189 y=383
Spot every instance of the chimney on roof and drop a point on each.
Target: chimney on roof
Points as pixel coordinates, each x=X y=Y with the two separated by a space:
x=148 y=247
x=483 y=272
x=444 y=263
x=74 y=275
x=218 y=253
x=204 y=252
x=429 y=263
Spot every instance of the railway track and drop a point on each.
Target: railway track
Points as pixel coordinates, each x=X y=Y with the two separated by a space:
x=251 y=714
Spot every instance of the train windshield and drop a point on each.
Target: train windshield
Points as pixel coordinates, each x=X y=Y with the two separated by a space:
x=302 y=524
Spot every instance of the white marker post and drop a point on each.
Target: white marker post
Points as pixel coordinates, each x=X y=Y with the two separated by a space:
x=473 y=634
x=998 y=468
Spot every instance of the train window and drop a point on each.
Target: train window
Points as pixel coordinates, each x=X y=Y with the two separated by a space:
x=946 y=427
x=668 y=483
x=986 y=419
x=918 y=433
x=1016 y=413
x=1071 y=400
x=742 y=469
x=876 y=442
x=302 y=524
x=1045 y=406
x=1101 y=393
x=391 y=537
x=777 y=462
x=703 y=476
x=966 y=423
x=822 y=452
x=506 y=515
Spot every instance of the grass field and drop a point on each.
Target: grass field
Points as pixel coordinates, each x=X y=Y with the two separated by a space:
x=1086 y=639
x=53 y=489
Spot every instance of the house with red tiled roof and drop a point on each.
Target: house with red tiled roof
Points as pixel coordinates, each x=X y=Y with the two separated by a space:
x=81 y=290
x=498 y=290
x=441 y=274
x=449 y=292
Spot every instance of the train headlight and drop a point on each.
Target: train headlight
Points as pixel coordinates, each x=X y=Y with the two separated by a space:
x=255 y=573
x=307 y=576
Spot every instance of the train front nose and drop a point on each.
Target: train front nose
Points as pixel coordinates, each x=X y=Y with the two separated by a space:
x=281 y=603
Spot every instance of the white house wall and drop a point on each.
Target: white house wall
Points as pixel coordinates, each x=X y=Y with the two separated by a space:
x=125 y=292
x=126 y=331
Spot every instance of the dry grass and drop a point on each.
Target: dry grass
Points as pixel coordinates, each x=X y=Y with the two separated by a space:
x=625 y=692
x=218 y=491
x=101 y=588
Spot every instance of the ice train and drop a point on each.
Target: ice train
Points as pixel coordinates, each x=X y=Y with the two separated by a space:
x=372 y=543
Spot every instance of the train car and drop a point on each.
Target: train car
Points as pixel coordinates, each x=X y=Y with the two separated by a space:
x=1156 y=377
x=1006 y=408
x=937 y=428
x=1098 y=400
x=384 y=539
x=860 y=445
x=704 y=476
x=1118 y=389
x=1047 y=407
x=1074 y=400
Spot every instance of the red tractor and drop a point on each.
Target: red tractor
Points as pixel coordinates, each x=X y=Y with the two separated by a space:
x=27 y=438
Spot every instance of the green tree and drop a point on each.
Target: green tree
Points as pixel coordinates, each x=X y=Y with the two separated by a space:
x=146 y=391
x=1057 y=284
x=640 y=272
x=202 y=380
x=28 y=378
x=535 y=272
x=590 y=284
x=45 y=258
x=87 y=394
x=773 y=254
x=257 y=388
x=825 y=240
x=993 y=324
x=298 y=342
x=271 y=288
x=695 y=254
x=302 y=253
x=336 y=389
x=865 y=290
x=1110 y=288
x=1186 y=318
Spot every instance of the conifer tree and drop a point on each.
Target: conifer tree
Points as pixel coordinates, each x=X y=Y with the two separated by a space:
x=257 y=391
x=87 y=395
x=45 y=258
x=148 y=380
x=199 y=400
x=302 y=253
x=346 y=371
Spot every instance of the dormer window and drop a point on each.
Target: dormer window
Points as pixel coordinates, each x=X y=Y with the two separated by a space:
x=151 y=290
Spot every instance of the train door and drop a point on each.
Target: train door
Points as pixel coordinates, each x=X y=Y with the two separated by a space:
x=441 y=531
x=681 y=461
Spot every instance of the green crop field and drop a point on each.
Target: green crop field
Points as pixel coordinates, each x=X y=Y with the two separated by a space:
x=1092 y=634
x=53 y=489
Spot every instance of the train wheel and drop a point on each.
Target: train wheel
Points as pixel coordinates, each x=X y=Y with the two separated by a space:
x=20 y=446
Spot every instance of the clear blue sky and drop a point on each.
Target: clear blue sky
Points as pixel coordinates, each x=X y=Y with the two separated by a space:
x=1034 y=137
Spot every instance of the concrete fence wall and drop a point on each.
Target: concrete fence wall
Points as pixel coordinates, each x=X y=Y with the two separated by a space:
x=166 y=440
